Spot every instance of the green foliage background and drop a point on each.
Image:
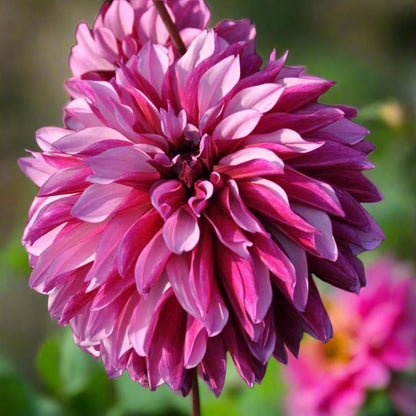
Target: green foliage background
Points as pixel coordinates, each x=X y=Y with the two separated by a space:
x=367 y=46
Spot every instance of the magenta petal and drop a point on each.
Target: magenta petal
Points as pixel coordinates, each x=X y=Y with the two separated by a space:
x=270 y=199
x=83 y=57
x=85 y=139
x=249 y=163
x=46 y=137
x=172 y=124
x=78 y=114
x=181 y=231
x=201 y=48
x=324 y=240
x=227 y=231
x=203 y=192
x=217 y=82
x=288 y=330
x=76 y=245
x=166 y=355
x=297 y=257
x=91 y=326
x=177 y=270
x=106 y=44
x=135 y=239
x=60 y=294
x=258 y=292
x=247 y=282
x=119 y=18
x=152 y=65
x=240 y=354
x=203 y=286
x=345 y=273
x=52 y=215
x=302 y=122
x=111 y=292
x=232 y=202
x=65 y=181
x=137 y=369
x=311 y=192
x=284 y=142
x=36 y=168
x=217 y=314
x=237 y=125
x=347 y=131
x=260 y=97
x=333 y=155
x=142 y=315
x=167 y=197
x=151 y=262
x=300 y=91
x=193 y=14
x=276 y=261
x=105 y=264
x=264 y=347
x=213 y=366
x=315 y=320
x=201 y=277
x=195 y=344
x=118 y=343
x=122 y=162
x=98 y=202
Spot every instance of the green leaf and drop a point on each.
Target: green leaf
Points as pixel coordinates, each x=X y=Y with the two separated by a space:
x=15 y=396
x=75 y=366
x=19 y=398
x=135 y=399
x=47 y=364
x=378 y=404
x=238 y=400
x=96 y=397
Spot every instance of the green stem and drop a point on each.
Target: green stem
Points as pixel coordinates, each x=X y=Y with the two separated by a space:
x=170 y=26
x=195 y=402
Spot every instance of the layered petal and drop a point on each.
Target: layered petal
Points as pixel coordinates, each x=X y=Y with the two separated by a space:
x=189 y=203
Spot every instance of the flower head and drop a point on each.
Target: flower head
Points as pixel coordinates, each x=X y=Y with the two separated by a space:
x=185 y=205
x=374 y=340
x=123 y=27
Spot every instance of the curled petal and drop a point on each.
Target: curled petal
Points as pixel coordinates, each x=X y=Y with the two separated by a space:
x=181 y=231
x=203 y=192
x=167 y=197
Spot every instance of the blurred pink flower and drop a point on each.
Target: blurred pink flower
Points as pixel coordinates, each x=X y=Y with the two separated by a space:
x=123 y=27
x=374 y=338
x=184 y=206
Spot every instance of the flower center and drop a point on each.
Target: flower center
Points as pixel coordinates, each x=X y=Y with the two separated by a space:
x=189 y=157
x=187 y=167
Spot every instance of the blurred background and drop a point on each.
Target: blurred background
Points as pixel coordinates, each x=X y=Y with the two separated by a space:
x=367 y=46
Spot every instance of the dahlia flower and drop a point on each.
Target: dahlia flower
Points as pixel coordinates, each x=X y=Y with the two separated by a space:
x=123 y=27
x=185 y=205
x=374 y=340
